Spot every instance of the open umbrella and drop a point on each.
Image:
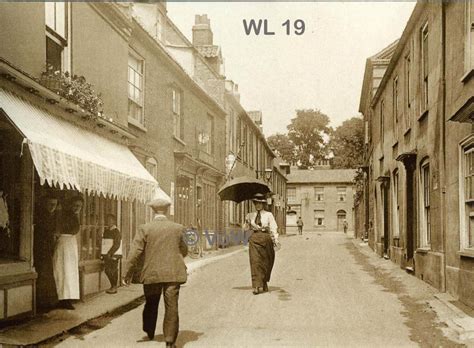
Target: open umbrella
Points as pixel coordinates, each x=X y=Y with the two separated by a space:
x=242 y=188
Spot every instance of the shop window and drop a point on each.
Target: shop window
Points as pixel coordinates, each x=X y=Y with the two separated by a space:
x=319 y=218
x=425 y=238
x=12 y=204
x=135 y=89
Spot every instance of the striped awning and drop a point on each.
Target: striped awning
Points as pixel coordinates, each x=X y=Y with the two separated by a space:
x=72 y=157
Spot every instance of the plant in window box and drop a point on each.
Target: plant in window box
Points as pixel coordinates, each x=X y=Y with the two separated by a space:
x=73 y=88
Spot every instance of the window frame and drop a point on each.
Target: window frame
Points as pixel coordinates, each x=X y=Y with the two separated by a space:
x=317 y=218
x=62 y=41
x=425 y=203
x=469 y=39
x=318 y=193
x=465 y=146
x=141 y=104
x=424 y=66
x=382 y=120
x=341 y=194
x=177 y=112
x=291 y=198
x=396 y=96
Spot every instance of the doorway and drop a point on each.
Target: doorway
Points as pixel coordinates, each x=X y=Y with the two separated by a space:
x=341 y=217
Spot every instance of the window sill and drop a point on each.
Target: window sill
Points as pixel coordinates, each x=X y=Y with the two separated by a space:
x=179 y=140
x=467 y=76
x=424 y=250
x=423 y=115
x=136 y=124
x=466 y=253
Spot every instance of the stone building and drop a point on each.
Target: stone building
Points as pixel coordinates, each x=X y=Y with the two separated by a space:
x=418 y=149
x=324 y=198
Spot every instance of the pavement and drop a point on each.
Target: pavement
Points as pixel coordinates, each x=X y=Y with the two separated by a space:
x=58 y=321
x=327 y=290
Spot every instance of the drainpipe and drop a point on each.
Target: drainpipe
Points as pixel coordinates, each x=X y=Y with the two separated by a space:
x=443 y=137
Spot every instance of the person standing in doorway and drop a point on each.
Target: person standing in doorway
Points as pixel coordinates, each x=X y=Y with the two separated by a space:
x=299 y=223
x=345 y=226
x=46 y=223
x=66 y=255
x=161 y=241
x=110 y=245
x=262 y=244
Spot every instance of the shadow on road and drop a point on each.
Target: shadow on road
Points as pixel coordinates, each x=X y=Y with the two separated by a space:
x=283 y=295
x=184 y=337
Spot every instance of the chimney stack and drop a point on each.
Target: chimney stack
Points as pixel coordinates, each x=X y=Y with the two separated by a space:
x=202 y=33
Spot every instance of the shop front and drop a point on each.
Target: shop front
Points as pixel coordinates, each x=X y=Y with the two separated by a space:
x=42 y=154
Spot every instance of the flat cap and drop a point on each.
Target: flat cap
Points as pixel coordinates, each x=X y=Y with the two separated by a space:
x=160 y=200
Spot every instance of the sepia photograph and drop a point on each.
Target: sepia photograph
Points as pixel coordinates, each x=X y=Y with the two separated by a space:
x=236 y=174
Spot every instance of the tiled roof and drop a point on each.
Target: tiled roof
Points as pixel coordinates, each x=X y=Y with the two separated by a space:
x=209 y=51
x=324 y=176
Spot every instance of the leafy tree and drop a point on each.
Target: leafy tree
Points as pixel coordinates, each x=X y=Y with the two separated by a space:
x=308 y=131
x=283 y=147
x=347 y=144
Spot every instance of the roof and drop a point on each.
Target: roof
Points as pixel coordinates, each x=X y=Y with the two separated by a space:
x=209 y=51
x=324 y=176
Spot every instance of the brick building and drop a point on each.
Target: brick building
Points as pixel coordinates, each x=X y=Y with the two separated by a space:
x=324 y=198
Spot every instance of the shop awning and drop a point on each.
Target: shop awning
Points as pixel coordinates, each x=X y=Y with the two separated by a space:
x=67 y=155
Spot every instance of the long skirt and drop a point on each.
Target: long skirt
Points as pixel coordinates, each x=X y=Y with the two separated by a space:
x=66 y=267
x=262 y=257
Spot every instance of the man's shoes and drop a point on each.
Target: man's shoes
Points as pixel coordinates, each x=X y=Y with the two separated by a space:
x=112 y=290
x=66 y=304
x=151 y=335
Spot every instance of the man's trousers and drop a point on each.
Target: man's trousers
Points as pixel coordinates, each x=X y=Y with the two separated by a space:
x=150 y=312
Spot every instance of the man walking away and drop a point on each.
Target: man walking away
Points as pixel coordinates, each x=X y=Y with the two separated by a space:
x=299 y=223
x=161 y=242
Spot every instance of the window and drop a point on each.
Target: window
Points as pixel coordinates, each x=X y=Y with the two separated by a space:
x=291 y=194
x=56 y=20
x=469 y=42
x=396 y=205
x=382 y=106
x=319 y=194
x=251 y=157
x=424 y=67
x=238 y=134
x=407 y=90
x=210 y=135
x=467 y=195
x=395 y=105
x=231 y=131
x=177 y=115
x=341 y=194
x=425 y=201
x=135 y=89
x=152 y=166
x=246 y=144
x=319 y=218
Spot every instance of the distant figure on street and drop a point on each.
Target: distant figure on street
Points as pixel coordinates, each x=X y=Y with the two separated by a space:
x=66 y=256
x=161 y=242
x=345 y=225
x=46 y=224
x=262 y=244
x=299 y=223
x=110 y=245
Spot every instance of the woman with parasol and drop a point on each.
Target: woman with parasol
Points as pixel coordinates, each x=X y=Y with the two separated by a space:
x=262 y=244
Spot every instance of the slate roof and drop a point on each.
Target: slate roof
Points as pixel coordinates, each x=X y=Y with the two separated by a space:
x=323 y=176
x=209 y=51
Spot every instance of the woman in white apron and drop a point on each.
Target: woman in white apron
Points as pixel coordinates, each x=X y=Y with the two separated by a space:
x=66 y=256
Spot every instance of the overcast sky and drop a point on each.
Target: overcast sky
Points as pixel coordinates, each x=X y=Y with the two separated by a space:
x=323 y=68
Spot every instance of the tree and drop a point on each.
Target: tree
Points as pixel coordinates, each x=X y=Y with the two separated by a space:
x=347 y=144
x=283 y=147
x=307 y=131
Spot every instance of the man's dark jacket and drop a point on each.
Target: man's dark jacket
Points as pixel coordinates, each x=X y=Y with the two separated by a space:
x=163 y=248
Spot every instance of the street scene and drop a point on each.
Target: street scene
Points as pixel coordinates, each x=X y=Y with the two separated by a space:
x=195 y=174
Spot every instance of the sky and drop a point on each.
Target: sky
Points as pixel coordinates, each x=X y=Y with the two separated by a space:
x=322 y=69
